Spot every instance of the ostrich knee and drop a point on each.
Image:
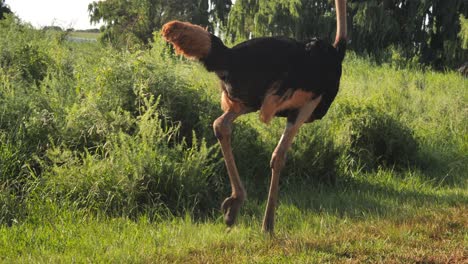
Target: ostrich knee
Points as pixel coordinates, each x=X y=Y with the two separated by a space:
x=222 y=129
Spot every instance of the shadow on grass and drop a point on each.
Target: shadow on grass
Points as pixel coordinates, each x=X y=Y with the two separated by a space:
x=359 y=198
x=446 y=169
x=308 y=183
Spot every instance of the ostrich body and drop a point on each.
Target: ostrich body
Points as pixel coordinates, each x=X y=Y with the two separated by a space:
x=276 y=76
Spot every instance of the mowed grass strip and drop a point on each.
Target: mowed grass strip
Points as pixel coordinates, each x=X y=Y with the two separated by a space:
x=85 y=35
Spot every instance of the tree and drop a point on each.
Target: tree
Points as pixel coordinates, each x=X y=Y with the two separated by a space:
x=219 y=10
x=241 y=20
x=427 y=29
x=4 y=9
x=296 y=18
x=129 y=21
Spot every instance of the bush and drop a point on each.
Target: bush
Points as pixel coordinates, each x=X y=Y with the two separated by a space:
x=79 y=122
x=371 y=138
x=150 y=172
x=314 y=156
x=11 y=208
x=22 y=51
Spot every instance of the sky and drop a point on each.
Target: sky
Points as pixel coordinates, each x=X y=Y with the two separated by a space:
x=62 y=13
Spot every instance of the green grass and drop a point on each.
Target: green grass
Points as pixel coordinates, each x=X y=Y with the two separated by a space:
x=109 y=156
x=86 y=35
x=434 y=234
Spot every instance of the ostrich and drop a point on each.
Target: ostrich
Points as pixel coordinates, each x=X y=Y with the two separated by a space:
x=276 y=76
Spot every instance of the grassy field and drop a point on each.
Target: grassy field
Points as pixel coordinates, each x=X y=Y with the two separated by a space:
x=430 y=236
x=85 y=35
x=108 y=156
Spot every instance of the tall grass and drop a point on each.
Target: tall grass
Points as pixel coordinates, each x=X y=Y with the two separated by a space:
x=89 y=130
x=89 y=134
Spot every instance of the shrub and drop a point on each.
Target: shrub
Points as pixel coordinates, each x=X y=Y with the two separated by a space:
x=22 y=51
x=372 y=138
x=314 y=155
x=11 y=208
x=150 y=172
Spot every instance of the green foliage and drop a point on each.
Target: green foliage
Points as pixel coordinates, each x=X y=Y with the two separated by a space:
x=88 y=101
x=423 y=32
x=315 y=157
x=22 y=57
x=147 y=172
x=94 y=168
x=263 y=18
x=426 y=29
x=11 y=207
x=4 y=10
x=464 y=31
x=26 y=119
x=373 y=139
x=308 y=237
x=80 y=131
x=130 y=23
x=220 y=10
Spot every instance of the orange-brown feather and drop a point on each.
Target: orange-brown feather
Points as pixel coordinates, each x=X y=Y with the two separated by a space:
x=189 y=40
x=229 y=105
x=290 y=100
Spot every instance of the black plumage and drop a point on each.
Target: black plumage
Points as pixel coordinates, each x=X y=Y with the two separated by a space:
x=278 y=76
x=248 y=70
